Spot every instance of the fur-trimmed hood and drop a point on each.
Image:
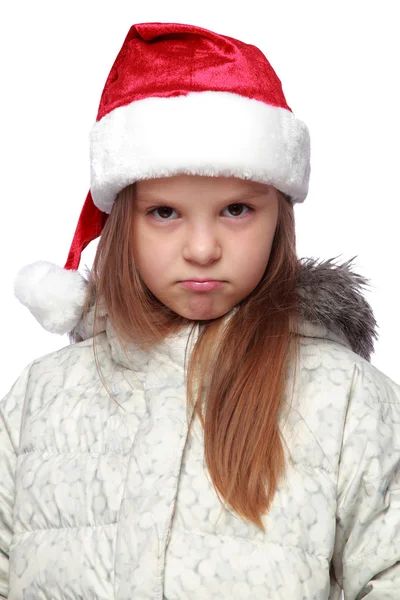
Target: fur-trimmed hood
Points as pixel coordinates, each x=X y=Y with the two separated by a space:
x=331 y=305
x=331 y=296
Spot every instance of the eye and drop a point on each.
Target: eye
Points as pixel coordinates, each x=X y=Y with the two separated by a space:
x=236 y=206
x=165 y=211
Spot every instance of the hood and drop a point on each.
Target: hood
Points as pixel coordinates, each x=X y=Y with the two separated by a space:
x=331 y=306
x=331 y=297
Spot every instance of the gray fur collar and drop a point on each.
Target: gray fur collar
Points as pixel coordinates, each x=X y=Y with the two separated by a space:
x=330 y=295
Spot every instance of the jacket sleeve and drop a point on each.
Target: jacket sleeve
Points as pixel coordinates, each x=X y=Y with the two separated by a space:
x=11 y=407
x=366 y=557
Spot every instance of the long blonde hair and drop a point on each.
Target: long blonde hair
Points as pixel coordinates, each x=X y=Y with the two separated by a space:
x=242 y=367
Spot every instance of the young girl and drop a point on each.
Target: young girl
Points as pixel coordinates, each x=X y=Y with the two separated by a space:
x=215 y=429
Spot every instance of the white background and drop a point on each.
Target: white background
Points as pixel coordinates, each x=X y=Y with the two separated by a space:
x=339 y=66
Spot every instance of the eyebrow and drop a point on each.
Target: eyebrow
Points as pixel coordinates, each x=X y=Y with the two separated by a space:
x=147 y=197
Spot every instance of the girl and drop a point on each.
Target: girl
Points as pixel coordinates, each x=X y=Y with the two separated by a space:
x=215 y=429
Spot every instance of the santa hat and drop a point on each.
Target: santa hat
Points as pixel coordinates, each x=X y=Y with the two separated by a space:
x=178 y=99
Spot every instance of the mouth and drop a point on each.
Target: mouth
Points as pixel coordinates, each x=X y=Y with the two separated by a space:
x=201 y=279
x=201 y=286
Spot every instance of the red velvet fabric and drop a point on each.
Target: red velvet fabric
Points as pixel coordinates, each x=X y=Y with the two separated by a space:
x=173 y=59
x=90 y=225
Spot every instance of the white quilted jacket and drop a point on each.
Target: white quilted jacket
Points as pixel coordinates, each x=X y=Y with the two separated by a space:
x=107 y=500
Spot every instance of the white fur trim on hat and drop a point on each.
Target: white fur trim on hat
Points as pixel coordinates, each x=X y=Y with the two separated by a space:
x=55 y=296
x=202 y=133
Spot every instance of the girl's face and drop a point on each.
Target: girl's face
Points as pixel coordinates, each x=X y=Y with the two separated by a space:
x=190 y=226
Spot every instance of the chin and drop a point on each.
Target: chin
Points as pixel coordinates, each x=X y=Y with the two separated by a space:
x=203 y=315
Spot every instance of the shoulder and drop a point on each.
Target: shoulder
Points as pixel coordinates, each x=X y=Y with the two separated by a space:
x=59 y=361
x=42 y=378
x=374 y=385
x=342 y=366
x=348 y=379
x=337 y=392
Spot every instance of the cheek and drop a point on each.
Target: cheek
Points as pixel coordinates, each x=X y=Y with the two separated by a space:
x=153 y=257
x=253 y=257
x=255 y=249
x=253 y=269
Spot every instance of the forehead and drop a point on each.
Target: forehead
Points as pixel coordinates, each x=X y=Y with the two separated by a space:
x=181 y=187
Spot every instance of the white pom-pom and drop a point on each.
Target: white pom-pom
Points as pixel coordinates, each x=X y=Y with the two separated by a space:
x=55 y=296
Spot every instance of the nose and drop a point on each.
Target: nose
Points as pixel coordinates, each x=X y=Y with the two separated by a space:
x=202 y=245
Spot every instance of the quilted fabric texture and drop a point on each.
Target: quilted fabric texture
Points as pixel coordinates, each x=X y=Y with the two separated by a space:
x=112 y=500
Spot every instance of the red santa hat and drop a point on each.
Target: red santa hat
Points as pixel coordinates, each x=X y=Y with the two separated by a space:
x=178 y=99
